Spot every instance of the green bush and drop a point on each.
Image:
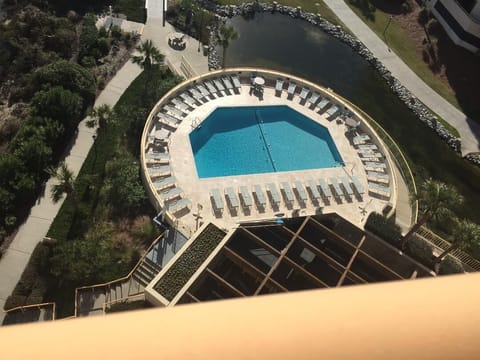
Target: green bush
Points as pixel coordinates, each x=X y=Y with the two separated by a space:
x=420 y=250
x=59 y=104
x=69 y=75
x=88 y=35
x=385 y=228
x=450 y=265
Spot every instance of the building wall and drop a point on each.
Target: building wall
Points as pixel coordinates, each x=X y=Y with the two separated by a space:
x=462 y=27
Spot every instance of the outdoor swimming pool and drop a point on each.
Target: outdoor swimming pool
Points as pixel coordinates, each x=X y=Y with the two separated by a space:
x=260 y=139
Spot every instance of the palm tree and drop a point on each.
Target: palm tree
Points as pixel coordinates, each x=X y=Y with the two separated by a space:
x=149 y=56
x=465 y=234
x=225 y=35
x=100 y=116
x=437 y=199
x=65 y=183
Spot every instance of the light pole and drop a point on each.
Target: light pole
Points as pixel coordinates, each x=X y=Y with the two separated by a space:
x=388 y=24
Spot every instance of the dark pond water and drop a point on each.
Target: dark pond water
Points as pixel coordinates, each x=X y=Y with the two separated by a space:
x=295 y=46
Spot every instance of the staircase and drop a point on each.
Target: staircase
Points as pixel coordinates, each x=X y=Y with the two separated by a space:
x=146 y=271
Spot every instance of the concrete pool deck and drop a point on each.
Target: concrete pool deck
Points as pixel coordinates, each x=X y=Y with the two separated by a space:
x=198 y=191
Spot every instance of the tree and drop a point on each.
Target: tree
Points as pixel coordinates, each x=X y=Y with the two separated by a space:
x=69 y=75
x=59 y=104
x=65 y=183
x=124 y=189
x=149 y=57
x=436 y=199
x=465 y=235
x=100 y=116
x=225 y=35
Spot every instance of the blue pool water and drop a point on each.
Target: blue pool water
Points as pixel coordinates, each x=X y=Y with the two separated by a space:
x=260 y=139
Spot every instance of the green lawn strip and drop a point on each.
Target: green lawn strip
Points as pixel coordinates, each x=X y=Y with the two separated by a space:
x=133 y=9
x=312 y=6
x=400 y=43
x=188 y=263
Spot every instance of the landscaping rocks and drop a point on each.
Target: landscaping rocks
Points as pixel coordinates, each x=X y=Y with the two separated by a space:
x=417 y=107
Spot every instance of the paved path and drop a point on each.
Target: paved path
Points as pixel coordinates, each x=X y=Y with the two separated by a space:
x=44 y=211
x=468 y=129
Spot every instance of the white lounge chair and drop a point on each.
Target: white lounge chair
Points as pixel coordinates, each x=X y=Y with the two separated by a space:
x=379 y=189
x=219 y=84
x=176 y=206
x=378 y=177
x=291 y=88
x=188 y=100
x=217 y=199
x=279 y=85
x=159 y=170
x=203 y=90
x=236 y=82
x=346 y=185
x=232 y=197
x=325 y=188
x=157 y=156
x=314 y=98
x=304 y=93
x=332 y=110
x=257 y=190
x=313 y=189
x=197 y=95
x=336 y=187
x=367 y=154
x=361 y=139
x=287 y=190
x=169 y=193
x=323 y=103
x=301 y=190
x=168 y=119
x=367 y=147
x=179 y=114
x=357 y=185
x=376 y=165
x=275 y=196
x=162 y=183
x=245 y=196
x=181 y=105
x=228 y=83
x=210 y=87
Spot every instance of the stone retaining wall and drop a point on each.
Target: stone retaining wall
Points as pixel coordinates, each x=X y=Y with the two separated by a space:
x=417 y=107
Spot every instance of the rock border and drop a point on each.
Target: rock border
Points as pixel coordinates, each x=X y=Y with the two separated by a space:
x=416 y=106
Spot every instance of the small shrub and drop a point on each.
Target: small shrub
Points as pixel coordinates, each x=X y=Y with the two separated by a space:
x=420 y=250
x=450 y=265
x=433 y=27
x=384 y=228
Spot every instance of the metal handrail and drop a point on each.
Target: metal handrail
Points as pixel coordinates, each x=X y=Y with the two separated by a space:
x=26 y=307
x=116 y=301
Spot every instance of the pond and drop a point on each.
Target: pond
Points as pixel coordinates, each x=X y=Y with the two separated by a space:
x=295 y=46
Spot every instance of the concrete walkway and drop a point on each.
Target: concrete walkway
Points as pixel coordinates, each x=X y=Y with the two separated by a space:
x=44 y=211
x=468 y=129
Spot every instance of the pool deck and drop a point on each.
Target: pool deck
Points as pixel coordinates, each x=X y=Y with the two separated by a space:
x=198 y=190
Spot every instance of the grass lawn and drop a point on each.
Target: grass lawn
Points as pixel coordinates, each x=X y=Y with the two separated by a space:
x=313 y=6
x=402 y=45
